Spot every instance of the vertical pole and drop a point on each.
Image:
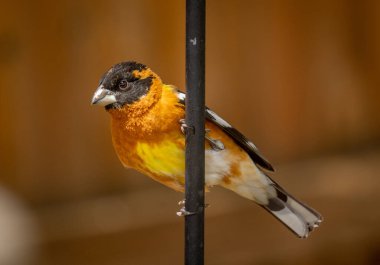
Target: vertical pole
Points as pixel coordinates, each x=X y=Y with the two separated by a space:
x=195 y=118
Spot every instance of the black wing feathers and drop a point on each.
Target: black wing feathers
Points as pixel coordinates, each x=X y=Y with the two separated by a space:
x=239 y=138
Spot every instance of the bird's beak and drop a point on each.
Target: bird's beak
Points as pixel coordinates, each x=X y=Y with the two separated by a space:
x=103 y=97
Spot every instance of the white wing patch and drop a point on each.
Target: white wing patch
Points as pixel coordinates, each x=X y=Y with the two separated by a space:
x=218 y=119
x=251 y=145
x=181 y=96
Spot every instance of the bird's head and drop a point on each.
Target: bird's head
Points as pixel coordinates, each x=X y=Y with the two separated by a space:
x=124 y=84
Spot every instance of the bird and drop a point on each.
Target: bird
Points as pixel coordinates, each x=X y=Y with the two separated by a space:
x=147 y=128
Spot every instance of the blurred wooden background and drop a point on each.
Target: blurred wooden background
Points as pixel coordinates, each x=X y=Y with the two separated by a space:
x=299 y=78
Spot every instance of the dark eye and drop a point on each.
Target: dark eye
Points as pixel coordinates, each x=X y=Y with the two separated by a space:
x=123 y=84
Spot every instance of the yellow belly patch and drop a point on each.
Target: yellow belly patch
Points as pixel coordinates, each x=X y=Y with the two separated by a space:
x=164 y=158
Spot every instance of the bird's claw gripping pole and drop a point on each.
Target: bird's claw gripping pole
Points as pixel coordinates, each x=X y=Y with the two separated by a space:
x=183 y=212
x=215 y=144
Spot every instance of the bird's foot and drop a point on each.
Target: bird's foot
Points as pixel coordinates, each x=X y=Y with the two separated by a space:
x=183 y=212
x=185 y=128
x=215 y=144
x=182 y=202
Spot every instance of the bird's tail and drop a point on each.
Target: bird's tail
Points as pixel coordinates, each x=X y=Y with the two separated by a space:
x=298 y=217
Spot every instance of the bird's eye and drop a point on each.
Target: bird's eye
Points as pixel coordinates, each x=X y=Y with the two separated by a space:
x=123 y=85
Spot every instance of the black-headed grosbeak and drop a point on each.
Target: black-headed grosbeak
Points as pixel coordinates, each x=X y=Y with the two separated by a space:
x=146 y=119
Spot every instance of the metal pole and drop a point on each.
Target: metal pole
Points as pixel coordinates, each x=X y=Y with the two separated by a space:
x=195 y=118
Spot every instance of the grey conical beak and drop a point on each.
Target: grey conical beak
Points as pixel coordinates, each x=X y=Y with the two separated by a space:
x=103 y=97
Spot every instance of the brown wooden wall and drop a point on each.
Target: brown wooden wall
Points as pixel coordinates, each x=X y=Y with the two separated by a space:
x=299 y=78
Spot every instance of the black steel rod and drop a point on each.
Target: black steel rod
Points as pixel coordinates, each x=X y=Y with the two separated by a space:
x=195 y=118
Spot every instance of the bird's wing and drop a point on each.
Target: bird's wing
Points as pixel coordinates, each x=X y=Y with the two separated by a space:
x=239 y=138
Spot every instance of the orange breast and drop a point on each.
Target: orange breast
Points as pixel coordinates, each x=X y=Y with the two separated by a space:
x=147 y=138
x=152 y=141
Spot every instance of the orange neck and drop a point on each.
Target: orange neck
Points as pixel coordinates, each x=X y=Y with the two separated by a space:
x=139 y=108
x=153 y=115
